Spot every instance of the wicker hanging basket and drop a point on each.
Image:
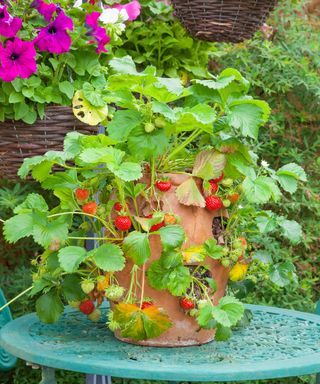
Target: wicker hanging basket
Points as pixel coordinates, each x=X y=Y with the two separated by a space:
x=222 y=20
x=19 y=140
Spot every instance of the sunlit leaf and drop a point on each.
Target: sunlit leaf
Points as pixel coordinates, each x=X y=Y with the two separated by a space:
x=138 y=324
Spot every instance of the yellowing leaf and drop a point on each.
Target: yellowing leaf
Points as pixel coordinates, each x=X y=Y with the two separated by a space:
x=137 y=324
x=188 y=194
x=86 y=112
x=209 y=164
x=238 y=272
x=194 y=254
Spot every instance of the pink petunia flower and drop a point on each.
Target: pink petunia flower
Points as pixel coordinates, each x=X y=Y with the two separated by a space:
x=46 y=10
x=17 y=58
x=54 y=37
x=133 y=9
x=97 y=32
x=9 y=26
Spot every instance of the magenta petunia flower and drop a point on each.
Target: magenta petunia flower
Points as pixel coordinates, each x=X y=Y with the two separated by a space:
x=46 y=10
x=9 y=26
x=133 y=9
x=97 y=32
x=17 y=58
x=54 y=37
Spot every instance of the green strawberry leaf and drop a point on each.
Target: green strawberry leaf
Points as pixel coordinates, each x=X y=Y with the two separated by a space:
x=137 y=246
x=126 y=171
x=157 y=275
x=222 y=333
x=213 y=250
x=200 y=115
x=248 y=115
x=147 y=145
x=172 y=236
x=33 y=201
x=49 y=307
x=290 y=229
x=283 y=274
x=289 y=175
x=45 y=232
x=257 y=190
x=71 y=257
x=233 y=307
x=123 y=122
x=179 y=280
x=108 y=257
x=71 y=288
x=176 y=280
x=171 y=259
x=17 y=227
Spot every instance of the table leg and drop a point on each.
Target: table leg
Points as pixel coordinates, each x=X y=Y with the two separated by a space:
x=97 y=379
x=48 y=376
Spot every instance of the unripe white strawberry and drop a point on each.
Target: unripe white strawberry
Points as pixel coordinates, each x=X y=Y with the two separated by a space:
x=114 y=292
x=87 y=286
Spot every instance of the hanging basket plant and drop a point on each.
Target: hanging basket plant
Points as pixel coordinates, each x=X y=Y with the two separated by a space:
x=47 y=54
x=222 y=20
x=171 y=193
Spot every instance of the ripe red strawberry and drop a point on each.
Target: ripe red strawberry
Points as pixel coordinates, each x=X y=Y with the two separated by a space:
x=147 y=304
x=155 y=227
x=218 y=178
x=186 y=303
x=234 y=197
x=82 y=194
x=117 y=207
x=213 y=203
x=163 y=185
x=214 y=186
x=86 y=307
x=123 y=223
x=90 y=208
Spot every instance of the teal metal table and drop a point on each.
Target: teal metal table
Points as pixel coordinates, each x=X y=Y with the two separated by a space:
x=278 y=343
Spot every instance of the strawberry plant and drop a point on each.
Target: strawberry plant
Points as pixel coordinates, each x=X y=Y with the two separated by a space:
x=149 y=204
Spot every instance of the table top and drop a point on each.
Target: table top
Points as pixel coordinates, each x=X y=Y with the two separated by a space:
x=277 y=343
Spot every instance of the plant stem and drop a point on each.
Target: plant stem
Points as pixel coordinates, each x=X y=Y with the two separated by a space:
x=143 y=284
x=94 y=238
x=16 y=298
x=180 y=147
x=79 y=213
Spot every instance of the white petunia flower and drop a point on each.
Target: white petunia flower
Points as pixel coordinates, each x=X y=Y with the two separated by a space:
x=264 y=164
x=109 y=16
x=77 y=4
x=123 y=15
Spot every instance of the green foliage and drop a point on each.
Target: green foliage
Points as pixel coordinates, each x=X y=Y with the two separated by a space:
x=59 y=77
x=158 y=39
x=136 y=246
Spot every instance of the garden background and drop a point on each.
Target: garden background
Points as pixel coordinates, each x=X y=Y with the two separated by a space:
x=282 y=63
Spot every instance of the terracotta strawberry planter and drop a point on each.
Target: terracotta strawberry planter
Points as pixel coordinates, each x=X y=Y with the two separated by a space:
x=197 y=223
